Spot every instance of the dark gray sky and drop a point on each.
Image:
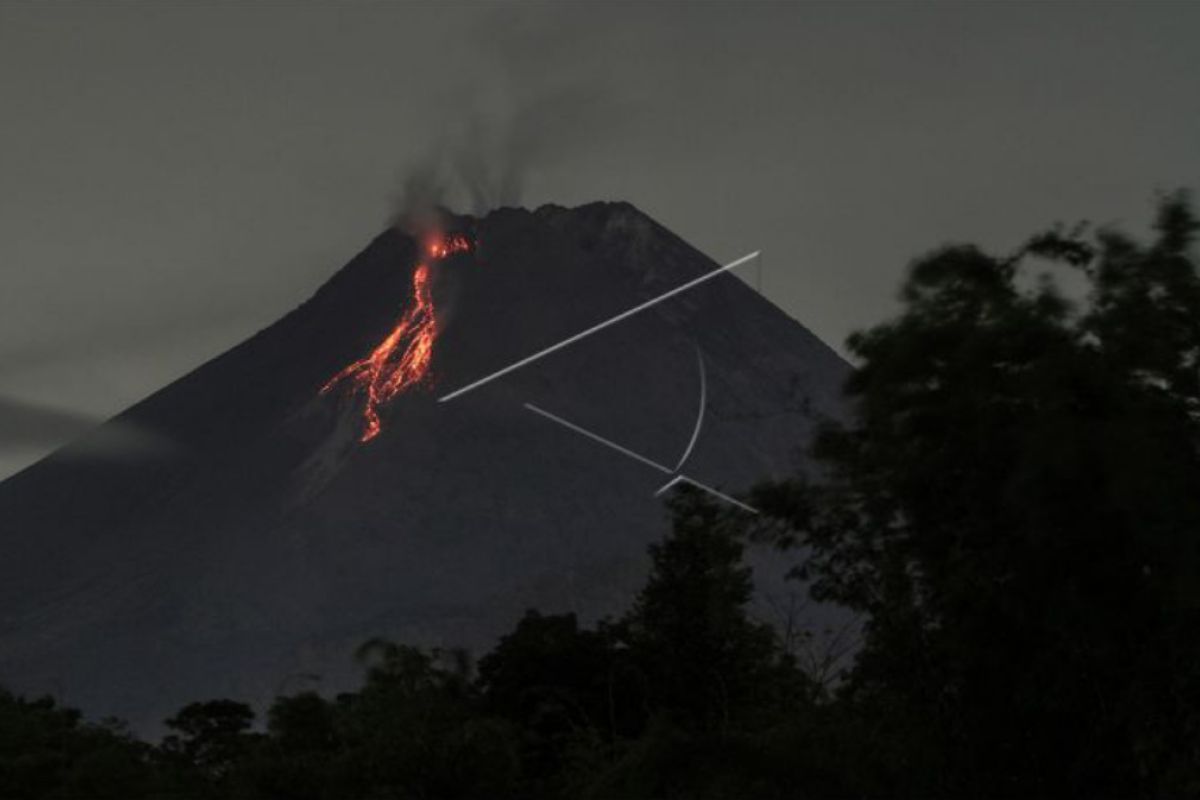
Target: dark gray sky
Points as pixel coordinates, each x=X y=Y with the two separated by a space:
x=175 y=176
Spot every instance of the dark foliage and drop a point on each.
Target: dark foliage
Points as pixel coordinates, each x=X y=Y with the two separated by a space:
x=1016 y=508
x=47 y=751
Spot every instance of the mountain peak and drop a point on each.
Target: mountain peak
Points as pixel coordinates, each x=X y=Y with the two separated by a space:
x=276 y=538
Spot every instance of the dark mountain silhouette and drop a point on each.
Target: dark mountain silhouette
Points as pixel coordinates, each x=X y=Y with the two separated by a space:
x=263 y=542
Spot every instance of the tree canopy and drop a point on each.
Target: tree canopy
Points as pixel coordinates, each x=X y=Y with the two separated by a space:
x=1016 y=507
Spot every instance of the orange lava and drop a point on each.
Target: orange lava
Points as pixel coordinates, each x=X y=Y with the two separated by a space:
x=402 y=359
x=443 y=246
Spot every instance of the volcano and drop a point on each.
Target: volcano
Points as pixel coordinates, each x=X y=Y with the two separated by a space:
x=301 y=509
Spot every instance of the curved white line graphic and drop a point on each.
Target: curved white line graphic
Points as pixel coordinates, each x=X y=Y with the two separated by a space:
x=699 y=414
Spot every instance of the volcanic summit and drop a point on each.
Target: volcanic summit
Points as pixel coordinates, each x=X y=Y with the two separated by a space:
x=317 y=493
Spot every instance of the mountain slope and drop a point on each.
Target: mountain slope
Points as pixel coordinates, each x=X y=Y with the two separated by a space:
x=268 y=541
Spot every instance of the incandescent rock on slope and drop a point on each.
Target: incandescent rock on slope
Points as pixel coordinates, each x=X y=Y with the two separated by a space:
x=268 y=542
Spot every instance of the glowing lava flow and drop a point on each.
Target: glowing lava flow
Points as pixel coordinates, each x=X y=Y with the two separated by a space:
x=449 y=245
x=402 y=359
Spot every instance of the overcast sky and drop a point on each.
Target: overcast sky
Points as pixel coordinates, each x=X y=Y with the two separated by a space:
x=175 y=176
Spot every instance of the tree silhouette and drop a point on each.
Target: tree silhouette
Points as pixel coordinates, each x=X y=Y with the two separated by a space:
x=1015 y=507
x=47 y=750
x=212 y=737
x=705 y=660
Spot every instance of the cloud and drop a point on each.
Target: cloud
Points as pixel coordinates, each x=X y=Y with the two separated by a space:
x=27 y=425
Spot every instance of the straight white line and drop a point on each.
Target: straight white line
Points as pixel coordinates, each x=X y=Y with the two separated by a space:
x=658 y=492
x=627 y=452
x=601 y=326
x=597 y=438
x=709 y=489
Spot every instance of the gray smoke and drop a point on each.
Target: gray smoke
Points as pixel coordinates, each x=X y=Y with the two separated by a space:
x=493 y=136
x=484 y=156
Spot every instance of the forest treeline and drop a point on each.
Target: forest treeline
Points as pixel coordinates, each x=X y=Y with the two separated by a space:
x=1013 y=507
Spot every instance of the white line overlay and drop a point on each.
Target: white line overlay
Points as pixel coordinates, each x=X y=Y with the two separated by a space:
x=598 y=438
x=638 y=457
x=699 y=414
x=685 y=479
x=598 y=327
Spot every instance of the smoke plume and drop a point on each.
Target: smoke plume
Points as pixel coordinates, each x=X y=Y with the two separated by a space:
x=501 y=129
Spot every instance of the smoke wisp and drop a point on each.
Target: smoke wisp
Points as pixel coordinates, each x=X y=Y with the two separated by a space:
x=504 y=127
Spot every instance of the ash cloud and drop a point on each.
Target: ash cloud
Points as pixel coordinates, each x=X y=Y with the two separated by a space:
x=484 y=159
x=497 y=132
